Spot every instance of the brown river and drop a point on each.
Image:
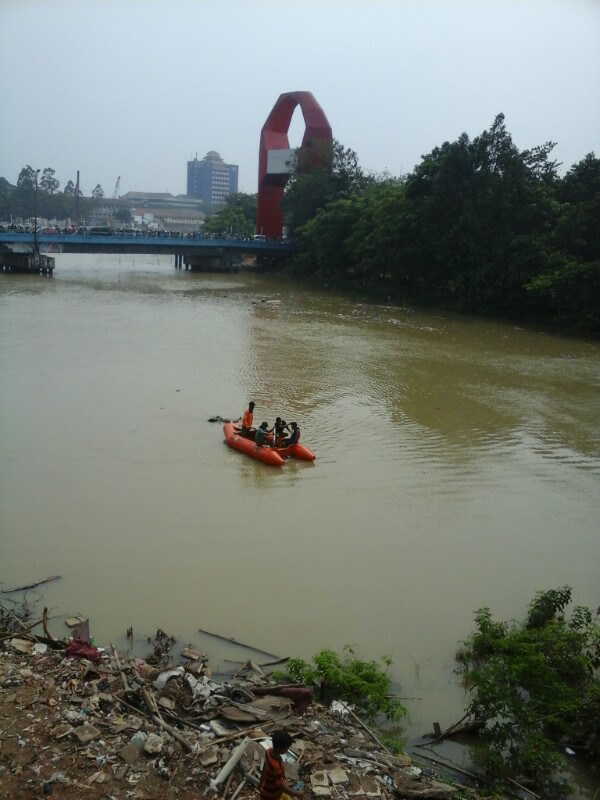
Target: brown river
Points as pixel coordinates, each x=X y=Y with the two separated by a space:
x=458 y=466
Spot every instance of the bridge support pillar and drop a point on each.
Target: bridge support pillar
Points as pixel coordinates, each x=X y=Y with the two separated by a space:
x=29 y=263
x=178 y=260
x=216 y=262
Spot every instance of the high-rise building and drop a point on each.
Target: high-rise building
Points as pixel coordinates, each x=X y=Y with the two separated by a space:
x=211 y=179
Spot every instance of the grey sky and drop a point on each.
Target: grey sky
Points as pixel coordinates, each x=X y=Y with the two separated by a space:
x=135 y=88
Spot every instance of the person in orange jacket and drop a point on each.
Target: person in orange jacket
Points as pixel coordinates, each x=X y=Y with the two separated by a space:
x=247 y=420
x=273 y=785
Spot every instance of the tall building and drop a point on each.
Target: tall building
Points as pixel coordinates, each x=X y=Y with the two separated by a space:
x=211 y=179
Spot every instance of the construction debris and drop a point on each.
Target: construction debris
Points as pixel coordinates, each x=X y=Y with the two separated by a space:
x=122 y=728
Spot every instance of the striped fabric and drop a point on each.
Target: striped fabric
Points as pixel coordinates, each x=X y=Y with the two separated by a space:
x=272 y=780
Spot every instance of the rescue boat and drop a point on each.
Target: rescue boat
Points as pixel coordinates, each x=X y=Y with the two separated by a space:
x=268 y=455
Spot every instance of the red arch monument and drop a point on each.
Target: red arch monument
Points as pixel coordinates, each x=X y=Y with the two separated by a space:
x=275 y=154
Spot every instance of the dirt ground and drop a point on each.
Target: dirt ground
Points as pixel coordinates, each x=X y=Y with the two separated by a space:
x=103 y=726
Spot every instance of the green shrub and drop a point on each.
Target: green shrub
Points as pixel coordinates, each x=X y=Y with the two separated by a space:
x=536 y=684
x=365 y=684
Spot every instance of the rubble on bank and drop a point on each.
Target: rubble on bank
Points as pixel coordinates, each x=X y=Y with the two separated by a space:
x=88 y=723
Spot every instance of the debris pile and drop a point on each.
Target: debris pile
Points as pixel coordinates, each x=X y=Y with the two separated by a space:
x=91 y=723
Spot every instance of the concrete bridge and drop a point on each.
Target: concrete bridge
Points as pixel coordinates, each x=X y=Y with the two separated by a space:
x=194 y=253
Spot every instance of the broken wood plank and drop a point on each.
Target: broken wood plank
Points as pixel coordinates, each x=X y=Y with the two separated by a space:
x=47 y=633
x=33 y=585
x=369 y=731
x=237 y=734
x=239 y=644
x=455 y=768
x=24 y=630
x=120 y=668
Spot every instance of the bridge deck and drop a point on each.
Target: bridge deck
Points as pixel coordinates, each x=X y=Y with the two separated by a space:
x=76 y=243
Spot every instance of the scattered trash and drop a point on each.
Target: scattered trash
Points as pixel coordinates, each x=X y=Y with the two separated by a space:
x=86 y=716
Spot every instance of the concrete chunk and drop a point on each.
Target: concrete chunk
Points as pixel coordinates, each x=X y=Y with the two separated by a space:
x=154 y=744
x=130 y=753
x=87 y=733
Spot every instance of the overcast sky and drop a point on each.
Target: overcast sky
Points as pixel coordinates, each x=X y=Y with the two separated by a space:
x=136 y=88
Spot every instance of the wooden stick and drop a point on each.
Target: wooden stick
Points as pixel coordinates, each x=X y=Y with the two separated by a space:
x=31 y=585
x=525 y=789
x=369 y=731
x=239 y=789
x=237 y=734
x=120 y=668
x=439 y=735
x=16 y=635
x=274 y=663
x=226 y=787
x=174 y=733
x=239 y=644
x=455 y=768
x=153 y=706
x=45 y=623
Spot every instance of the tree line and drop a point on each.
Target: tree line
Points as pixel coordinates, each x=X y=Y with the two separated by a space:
x=478 y=226
x=21 y=200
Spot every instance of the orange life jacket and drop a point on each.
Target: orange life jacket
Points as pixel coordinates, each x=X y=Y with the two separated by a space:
x=247 y=419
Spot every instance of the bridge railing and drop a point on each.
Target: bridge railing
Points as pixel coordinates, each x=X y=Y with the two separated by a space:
x=160 y=241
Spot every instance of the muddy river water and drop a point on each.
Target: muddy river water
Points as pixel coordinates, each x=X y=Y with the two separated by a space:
x=458 y=465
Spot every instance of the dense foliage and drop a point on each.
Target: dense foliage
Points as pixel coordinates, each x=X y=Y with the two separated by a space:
x=478 y=225
x=23 y=201
x=366 y=684
x=536 y=684
x=237 y=216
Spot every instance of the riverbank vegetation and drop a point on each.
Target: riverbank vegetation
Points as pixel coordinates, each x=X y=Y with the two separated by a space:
x=536 y=686
x=478 y=226
x=365 y=684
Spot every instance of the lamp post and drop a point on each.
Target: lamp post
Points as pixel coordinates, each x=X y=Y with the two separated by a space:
x=35 y=236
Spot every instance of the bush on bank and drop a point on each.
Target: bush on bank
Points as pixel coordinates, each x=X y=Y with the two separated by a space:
x=536 y=684
x=365 y=684
x=478 y=225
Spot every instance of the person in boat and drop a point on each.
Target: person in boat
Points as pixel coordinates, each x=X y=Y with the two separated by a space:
x=262 y=435
x=247 y=419
x=294 y=436
x=278 y=430
x=273 y=784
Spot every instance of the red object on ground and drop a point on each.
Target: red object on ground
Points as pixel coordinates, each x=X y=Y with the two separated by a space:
x=269 y=218
x=300 y=696
x=79 y=648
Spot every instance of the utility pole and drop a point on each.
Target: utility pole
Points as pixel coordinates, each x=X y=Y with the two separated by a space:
x=77 y=200
x=36 y=248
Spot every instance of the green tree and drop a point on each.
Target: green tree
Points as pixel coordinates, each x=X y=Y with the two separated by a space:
x=237 y=216
x=324 y=241
x=319 y=178
x=98 y=192
x=569 y=292
x=48 y=182
x=27 y=179
x=123 y=214
x=535 y=684
x=483 y=215
x=70 y=189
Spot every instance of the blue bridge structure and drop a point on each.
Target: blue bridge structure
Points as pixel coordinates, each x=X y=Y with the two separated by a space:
x=21 y=252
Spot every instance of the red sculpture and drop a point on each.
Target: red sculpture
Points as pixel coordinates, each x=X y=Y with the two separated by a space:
x=272 y=177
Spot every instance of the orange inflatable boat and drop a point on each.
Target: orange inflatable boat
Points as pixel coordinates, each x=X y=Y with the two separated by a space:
x=268 y=455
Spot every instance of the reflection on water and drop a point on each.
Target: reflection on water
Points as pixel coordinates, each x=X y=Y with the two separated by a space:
x=457 y=464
